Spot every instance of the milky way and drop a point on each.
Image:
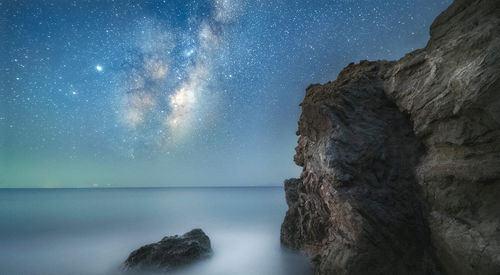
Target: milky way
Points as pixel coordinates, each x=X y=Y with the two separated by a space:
x=174 y=99
x=159 y=93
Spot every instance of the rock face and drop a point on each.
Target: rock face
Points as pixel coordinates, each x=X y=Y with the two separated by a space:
x=171 y=252
x=401 y=160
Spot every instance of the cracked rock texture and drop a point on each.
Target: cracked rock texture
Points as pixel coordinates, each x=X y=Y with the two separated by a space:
x=401 y=160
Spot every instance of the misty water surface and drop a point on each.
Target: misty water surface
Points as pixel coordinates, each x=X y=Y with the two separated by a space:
x=92 y=231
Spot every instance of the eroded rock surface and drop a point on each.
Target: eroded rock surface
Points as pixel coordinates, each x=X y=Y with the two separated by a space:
x=171 y=252
x=402 y=159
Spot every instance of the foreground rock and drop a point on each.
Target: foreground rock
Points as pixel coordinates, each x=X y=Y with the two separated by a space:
x=171 y=252
x=402 y=159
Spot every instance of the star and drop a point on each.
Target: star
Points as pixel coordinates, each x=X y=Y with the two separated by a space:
x=98 y=68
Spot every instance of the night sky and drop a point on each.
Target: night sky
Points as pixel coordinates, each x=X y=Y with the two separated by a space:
x=174 y=92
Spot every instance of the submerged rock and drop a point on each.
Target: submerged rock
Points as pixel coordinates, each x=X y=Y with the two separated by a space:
x=171 y=252
x=401 y=160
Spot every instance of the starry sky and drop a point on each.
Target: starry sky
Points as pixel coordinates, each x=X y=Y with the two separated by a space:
x=104 y=93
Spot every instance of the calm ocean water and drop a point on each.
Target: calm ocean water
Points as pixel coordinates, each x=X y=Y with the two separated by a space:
x=92 y=231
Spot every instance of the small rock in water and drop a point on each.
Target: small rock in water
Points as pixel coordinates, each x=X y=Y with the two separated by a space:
x=171 y=252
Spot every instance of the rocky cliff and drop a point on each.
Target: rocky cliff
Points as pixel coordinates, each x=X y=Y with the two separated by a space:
x=401 y=160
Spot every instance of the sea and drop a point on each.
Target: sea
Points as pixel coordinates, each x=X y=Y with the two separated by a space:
x=92 y=231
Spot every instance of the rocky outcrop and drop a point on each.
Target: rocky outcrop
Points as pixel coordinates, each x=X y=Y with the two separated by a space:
x=401 y=160
x=171 y=252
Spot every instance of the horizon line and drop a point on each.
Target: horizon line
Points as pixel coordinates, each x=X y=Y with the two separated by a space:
x=149 y=187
